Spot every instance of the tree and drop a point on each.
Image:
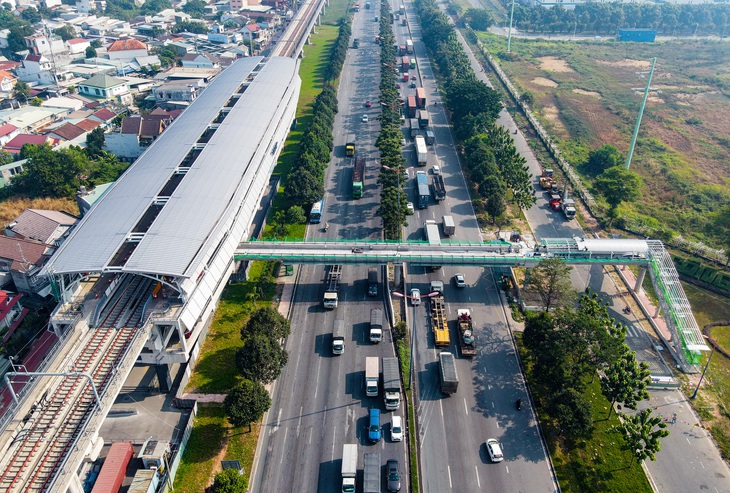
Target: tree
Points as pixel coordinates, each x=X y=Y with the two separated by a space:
x=21 y=90
x=66 y=32
x=49 y=173
x=267 y=321
x=495 y=206
x=478 y=19
x=190 y=27
x=641 y=434
x=601 y=159
x=246 y=403
x=95 y=142
x=261 y=358
x=295 y=215
x=16 y=38
x=195 y=8
x=229 y=481
x=721 y=222
x=90 y=52
x=36 y=101
x=31 y=15
x=618 y=185
x=572 y=412
x=96 y=43
x=625 y=381
x=551 y=280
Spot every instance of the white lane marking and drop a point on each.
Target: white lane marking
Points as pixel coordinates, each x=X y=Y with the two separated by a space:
x=299 y=421
x=278 y=423
x=448 y=469
x=466 y=408
x=442 y=408
x=316 y=388
x=286 y=431
x=507 y=467
x=479 y=483
x=687 y=440
x=703 y=466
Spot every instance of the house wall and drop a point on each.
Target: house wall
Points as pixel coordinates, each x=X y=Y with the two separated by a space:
x=124 y=146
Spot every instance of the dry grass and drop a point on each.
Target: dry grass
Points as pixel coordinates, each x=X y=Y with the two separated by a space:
x=11 y=208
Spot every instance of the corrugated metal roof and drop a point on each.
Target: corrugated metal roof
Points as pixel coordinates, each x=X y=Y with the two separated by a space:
x=191 y=216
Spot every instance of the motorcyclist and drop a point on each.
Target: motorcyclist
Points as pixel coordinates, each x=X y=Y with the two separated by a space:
x=519 y=403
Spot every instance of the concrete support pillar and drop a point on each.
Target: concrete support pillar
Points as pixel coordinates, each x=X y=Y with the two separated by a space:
x=76 y=485
x=163 y=377
x=397 y=275
x=658 y=311
x=640 y=279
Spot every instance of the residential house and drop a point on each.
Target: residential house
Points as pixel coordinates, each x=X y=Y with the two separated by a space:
x=7 y=132
x=67 y=132
x=11 y=313
x=86 y=199
x=49 y=4
x=39 y=44
x=256 y=33
x=136 y=134
x=177 y=95
x=15 y=144
x=31 y=118
x=104 y=116
x=106 y=87
x=236 y=5
x=21 y=261
x=63 y=102
x=8 y=171
x=7 y=81
x=200 y=60
x=87 y=6
x=127 y=50
x=77 y=45
x=36 y=69
x=41 y=225
x=219 y=34
x=4 y=33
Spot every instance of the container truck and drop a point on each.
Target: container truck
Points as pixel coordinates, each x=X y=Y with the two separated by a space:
x=338 y=337
x=447 y=373
x=376 y=325
x=114 y=468
x=402 y=50
x=421 y=97
x=358 y=177
x=350 y=145
x=372 y=281
x=423 y=193
x=430 y=137
x=423 y=118
x=391 y=383
x=421 y=150
x=409 y=46
x=402 y=9
x=466 y=333
x=439 y=189
x=415 y=128
x=371 y=473
x=349 y=467
x=411 y=106
x=333 y=280
x=372 y=375
x=449 y=225
x=405 y=63
x=439 y=323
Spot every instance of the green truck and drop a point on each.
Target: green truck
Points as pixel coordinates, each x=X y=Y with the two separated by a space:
x=358 y=177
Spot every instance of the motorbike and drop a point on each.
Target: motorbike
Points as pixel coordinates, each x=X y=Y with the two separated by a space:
x=519 y=404
x=326 y=227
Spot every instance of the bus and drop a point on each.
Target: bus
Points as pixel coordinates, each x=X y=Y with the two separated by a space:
x=315 y=215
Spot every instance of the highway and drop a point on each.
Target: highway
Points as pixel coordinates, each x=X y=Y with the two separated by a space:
x=319 y=401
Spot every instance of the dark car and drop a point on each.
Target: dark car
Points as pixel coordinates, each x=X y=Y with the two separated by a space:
x=393 y=475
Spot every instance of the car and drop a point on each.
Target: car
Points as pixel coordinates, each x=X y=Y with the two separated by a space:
x=411 y=209
x=415 y=297
x=413 y=77
x=413 y=85
x=368 y=104
x=495 y=451
x=396 y=429
x=405 y=173
x=393 y=475
x=403 y=141
x=460 y=281
x=436 y=169
x=374 y=426
x=364 y=118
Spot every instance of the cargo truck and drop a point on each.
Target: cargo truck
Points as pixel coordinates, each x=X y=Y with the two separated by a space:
x=421 y=150
x=349 y=467
x=372 y=281
x=568 y=206
x=449 y=225
x=338 y=337
x=421 y=97
x=439 y=323
x=350 y=145
x=402 y=50
x=402 y=9
x=423 y=118
x=391 y=383
x=423 y=192
x=447 y=373
x=409 y=46
x=411 y=106
x=371 y=473
x=415 y=127
x=430 y=137
x=113 y=470
x=376 y=325
x=466 y=333
x=405 y=63
x=358 y=177
x=439 y=188
x=333 y=280
x=372 y=375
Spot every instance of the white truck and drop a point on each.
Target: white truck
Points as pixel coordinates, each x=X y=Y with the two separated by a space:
x=371 y=473
x=338 y=337
x=372 y=375
x=421 y=150
x=349 y=467
x=376 y=325
x=449 y=225
x=391 y=383
x=333 y=280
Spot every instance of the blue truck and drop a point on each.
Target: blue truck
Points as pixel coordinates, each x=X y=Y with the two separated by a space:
x=424 y=193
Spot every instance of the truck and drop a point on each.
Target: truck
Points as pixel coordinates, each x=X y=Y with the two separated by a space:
x=356 y=43
x=413 y=62
x=404 y=22
x=405 y=63
x=466 y=332
x=449 y=225
x=402 y=50
x=402 y=9
x=350 y=145
x=356 y=7
x=367 y=5
x=421 y=150
x=409 y=46
x=423 y=118
x=333 y=280
x=411 y=106
x=568 y=206
x=391 y=383
x=371 y=473
x=349 y=467
x=447 y=373
x=372 y=375
x=439 y=189
x=113 y=470
x=423 y=192
x=376 y=325
x=358 y=177
x=421 y=97
x=439 y=322
x=430 y=137
x=372 y=281
x=338 y=337
x=415 y=128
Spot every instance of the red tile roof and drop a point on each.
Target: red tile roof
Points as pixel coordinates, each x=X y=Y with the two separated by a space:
x=33 y=58
x=7 y=129
x=88 y=125
x=67 y=131
x=127 y=44
x=104 y=114
x=76 y=41
x=20 y=140
x=24 y=254
x=7 y=65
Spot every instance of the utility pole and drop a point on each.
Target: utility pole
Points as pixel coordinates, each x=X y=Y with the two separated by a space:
x=509 y=34
x=641 y=113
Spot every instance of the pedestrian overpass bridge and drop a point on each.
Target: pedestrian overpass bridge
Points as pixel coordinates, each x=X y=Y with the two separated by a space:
x=649 y=255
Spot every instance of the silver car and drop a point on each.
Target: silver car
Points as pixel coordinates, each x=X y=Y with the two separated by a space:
x=393 y=475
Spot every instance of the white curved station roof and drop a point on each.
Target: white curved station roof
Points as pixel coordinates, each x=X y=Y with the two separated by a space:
x=192 y=214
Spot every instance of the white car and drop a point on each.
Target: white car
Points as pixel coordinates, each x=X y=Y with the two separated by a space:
x=415 y=297
x=460 y=280
x=403 y=141
x=364 y=118
x=396 y=429
x=436 y=169
x=495 y=451
x=411 y=209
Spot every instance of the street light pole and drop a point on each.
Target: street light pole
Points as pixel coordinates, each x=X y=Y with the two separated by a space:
x=509 y=34
x=641 y=113
x=697 y=389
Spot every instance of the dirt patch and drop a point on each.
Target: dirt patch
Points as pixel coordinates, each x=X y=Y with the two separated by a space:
x=552 y=114
x=655 y=99
x=627 y=62
x=542 y=81
x=554 y=64
x=594 y=94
